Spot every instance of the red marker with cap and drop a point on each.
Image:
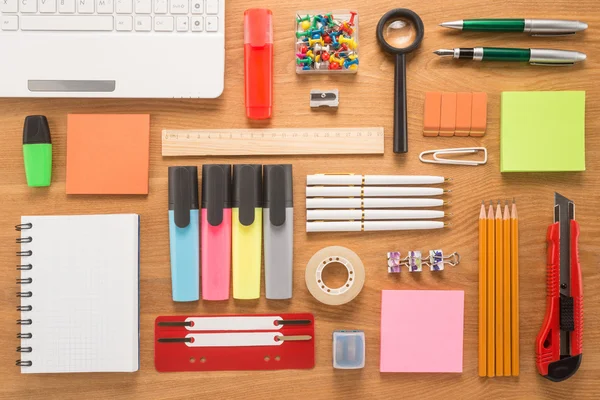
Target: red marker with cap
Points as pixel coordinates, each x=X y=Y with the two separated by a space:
x=258 y=62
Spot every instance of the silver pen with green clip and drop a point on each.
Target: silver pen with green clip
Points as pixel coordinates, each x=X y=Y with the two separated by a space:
x=533 y=56
x=536 y=27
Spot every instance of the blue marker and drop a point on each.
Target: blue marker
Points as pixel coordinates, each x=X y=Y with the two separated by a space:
x=184 y=233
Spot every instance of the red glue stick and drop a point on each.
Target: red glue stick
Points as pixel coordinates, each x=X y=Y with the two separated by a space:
x=258 y=62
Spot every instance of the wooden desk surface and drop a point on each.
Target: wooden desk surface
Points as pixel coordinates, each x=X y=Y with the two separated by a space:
x=366 y=100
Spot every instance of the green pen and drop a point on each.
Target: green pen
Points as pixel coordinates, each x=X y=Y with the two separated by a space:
x=532 y=56
x=537 y=27
x=37 y=151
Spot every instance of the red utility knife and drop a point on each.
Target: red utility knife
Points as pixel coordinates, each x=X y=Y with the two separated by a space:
x=559 y=344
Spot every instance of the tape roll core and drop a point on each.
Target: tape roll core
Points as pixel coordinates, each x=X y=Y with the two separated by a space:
x=345 y=293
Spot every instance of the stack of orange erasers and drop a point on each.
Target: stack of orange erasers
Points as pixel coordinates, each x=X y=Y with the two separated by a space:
x=455 y=114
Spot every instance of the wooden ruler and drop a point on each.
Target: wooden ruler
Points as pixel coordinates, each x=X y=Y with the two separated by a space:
x=253 y=142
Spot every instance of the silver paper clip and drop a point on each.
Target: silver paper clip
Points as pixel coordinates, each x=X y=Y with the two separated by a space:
x=439 y=159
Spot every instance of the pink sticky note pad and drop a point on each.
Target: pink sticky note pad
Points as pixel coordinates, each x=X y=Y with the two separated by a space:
x=422 y=330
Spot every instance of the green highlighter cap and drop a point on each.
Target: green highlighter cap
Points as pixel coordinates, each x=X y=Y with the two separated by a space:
x=37 y=151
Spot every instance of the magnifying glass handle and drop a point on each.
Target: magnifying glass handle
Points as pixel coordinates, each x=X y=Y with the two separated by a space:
x=400 y=113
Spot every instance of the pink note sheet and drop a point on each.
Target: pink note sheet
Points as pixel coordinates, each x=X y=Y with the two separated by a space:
x=422 y=330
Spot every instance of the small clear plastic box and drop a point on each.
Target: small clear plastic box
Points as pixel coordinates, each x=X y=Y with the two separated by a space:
x=348 y=349
x=331 y=38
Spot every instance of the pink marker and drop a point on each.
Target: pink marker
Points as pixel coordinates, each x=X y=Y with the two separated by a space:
x=215 y=233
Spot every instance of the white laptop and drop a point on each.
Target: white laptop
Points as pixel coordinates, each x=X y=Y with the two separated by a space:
x=112 y=48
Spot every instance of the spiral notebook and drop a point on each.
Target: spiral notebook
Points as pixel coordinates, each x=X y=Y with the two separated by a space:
x=79 y=292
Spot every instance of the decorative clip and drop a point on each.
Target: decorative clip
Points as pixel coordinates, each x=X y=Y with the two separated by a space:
x=414 y=261
x=437 y=260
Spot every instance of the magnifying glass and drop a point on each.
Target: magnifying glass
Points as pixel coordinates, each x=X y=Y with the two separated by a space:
x=400 y=31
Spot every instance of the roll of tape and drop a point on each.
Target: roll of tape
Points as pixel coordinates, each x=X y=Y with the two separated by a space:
x=345 y=293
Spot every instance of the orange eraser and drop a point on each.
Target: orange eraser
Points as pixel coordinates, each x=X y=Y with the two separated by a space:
x=448 y=117
x=433 y=109
x=479 y=114
x=463 y=113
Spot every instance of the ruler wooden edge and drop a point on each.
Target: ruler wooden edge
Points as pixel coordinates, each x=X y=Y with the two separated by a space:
x=272 y=141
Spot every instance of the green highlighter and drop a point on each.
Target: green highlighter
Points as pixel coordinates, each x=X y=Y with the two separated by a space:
x=37 y=151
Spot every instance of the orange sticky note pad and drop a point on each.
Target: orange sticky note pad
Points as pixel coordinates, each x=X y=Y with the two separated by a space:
x=108 y=154
x=463 y=113
x=479 y=114
x=448 y=117
x=433 y=109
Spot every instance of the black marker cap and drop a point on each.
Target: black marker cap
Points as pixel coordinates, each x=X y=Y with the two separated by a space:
x=278 y=191
x=247 y=191
x=216 y=191
x=36 y=130
x=183 y=193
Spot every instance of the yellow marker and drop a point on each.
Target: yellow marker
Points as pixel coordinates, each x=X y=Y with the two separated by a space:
x=246 y=230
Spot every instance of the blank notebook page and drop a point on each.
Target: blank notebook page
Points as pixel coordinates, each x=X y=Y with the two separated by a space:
x=85 y=303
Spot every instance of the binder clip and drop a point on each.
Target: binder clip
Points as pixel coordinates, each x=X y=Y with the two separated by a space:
x=437 y=260
x=414 y=261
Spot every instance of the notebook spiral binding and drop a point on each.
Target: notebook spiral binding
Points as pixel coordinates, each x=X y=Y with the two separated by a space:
x=24 y=294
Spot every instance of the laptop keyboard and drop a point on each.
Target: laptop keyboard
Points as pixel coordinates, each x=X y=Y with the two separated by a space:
x=193 y=16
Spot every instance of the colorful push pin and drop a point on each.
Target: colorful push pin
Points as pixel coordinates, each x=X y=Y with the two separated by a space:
x=306 y=68
x=347 y=29
x=349 y=63
x=303 y=49
x=394 y=262
x=437 y=260
x=327 y=38
x=349 y=41
x=310 y=54
x=325 y=56
x=302 y=34
x=333 y=65
x=303 y=61
x=312 y=42
x=335 y=60
x=300 y=55
x=302 y=19
x=351 y=22
x=305 y=25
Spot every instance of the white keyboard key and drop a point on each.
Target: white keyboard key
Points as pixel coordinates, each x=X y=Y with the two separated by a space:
x=105 y=6
x=143 y=6
x=67 y=23
x=212 y=24
x=143 y=23
x=28 y=6
x=124 y=7
x=48 y=6
x=183 y=24
x=163 y=24
x=85 y=6
x=124 y=23
x=9 y=23
x=197 y=6
x=160 y=6
x=212 y=6
x=179 y=6
x=9 y=6
x=66 y=6
x=197 y=24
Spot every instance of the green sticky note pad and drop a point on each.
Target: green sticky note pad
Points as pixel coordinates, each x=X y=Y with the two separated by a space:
x=542 y=131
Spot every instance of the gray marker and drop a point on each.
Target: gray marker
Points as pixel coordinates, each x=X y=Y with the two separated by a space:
x=278 y=223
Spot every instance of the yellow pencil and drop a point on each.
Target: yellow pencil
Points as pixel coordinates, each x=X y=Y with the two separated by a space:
x=499 y=294
x=491 y=349
x=514 y=286
x=506 y=283
x=482 y=292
